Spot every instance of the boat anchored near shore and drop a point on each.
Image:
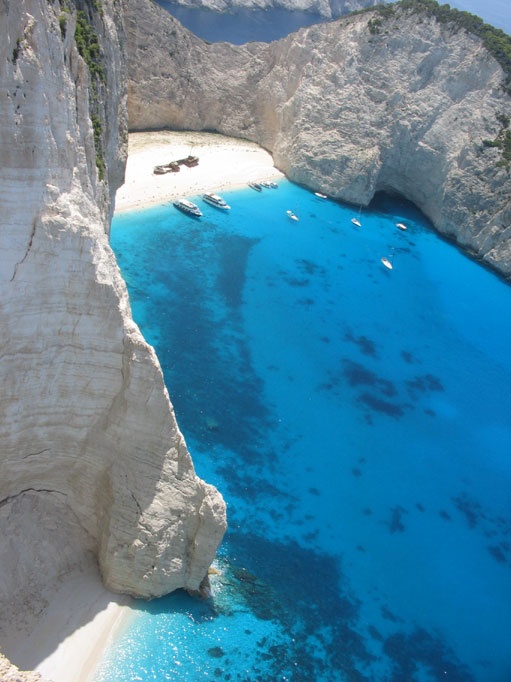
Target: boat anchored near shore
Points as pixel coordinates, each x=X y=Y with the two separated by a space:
x=216 y=201
x=188 y=207
x=388 y=262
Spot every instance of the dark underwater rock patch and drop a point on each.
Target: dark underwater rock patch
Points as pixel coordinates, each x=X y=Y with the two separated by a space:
x=424 y=383
x=383 y=406
x=365 y=345
x=420 y=649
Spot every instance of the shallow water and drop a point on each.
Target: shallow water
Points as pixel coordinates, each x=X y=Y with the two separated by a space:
x=355 y=419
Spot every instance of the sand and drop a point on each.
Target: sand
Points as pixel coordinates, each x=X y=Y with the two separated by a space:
x=70 y=637
x=224 y=163
x=80 y=621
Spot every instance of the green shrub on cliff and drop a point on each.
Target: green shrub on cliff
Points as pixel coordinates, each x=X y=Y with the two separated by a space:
x=87 y=43
x=502 y=141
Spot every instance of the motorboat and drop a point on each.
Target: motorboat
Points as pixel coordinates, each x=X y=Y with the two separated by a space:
x=386 y=262
x=188 y=207
x=356 y=222
x=401 y=226
x=256 y=186
x=216 y=201
x=320 y=195
x=292 y=215
x=265 y=183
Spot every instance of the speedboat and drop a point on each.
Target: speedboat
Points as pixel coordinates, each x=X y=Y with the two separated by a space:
x=356 y=222
x=292 y=215
x=215 y=201
x=256 y=186
x=386 y=262
x=265 y=183
x=273 y=184
x=401 y=226
x=320 y=195
x=188 y=207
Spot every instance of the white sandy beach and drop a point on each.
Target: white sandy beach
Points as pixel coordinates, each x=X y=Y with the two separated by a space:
x=77 y=626
x=224 y=163
x=71 y=635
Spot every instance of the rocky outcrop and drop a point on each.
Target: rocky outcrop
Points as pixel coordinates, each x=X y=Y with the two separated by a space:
x=400 y=103
x=10 y=673
x=92 y=462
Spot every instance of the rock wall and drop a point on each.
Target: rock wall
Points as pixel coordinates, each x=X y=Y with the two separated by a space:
x=92 y=462
x=402 y=104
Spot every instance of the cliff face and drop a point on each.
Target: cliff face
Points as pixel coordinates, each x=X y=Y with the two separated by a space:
x=92 y=463
x=402 y=104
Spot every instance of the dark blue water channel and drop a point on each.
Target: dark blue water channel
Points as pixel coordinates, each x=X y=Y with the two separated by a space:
x=357 y=421
x=241 y=25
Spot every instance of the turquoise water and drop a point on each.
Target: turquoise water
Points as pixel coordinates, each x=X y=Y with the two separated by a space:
x=356 y=420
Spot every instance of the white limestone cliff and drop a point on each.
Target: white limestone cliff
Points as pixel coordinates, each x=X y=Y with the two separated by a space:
x=93 y=466
x=404 y=104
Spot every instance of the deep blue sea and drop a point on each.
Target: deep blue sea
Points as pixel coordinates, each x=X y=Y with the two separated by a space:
x=358 y=423
x=242 y=25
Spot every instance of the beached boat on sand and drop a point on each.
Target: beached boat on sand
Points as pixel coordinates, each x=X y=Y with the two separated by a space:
x=256 y=186
x=188 y=207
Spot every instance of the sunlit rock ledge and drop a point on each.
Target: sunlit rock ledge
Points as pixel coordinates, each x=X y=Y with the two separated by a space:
x=408 y=108
x=92 y=462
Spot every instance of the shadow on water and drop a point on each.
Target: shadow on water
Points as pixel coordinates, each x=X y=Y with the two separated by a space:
x=205 y=330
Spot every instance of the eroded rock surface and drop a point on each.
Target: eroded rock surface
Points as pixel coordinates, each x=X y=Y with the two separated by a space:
x=92 y=462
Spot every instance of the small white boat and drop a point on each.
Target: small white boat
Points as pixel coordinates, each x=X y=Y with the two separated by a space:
x=216 y=201
x=401 y=226
x=273 y=184
x=265 y=183
x=255 y=185
x=356 y=222
x=188 y=207
x=292 y=215
x=387 y=263
x=320 y=195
